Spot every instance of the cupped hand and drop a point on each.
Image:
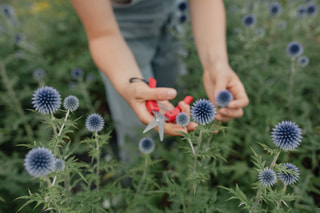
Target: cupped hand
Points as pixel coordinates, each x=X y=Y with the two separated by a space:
x=138 y=93
x=221 y=77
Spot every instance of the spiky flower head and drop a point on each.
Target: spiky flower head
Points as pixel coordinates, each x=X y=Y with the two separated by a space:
x=294 y=49
x=268 y=177
x=46 y=100
x=7 y=10
x=286 y=135
x=203 y=111
x=311 y=9
x=71 y=103
x=183 y=18
x=282 y=24
x=183 y=119
x=275 y=9
x=303 y=61
x=39 y=162
x=237 y=31
x=183 y=6
x=76 y=73
x=223 y=98
x=17 y=39
x=39 y=74
x=301 y=11
x=59 y=165
x=94 y=122
x=146 y=145
x=288 y=177
x=260 y=32
x=249 y=20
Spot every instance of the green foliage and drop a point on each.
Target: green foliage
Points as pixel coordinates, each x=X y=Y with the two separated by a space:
x=221 y=177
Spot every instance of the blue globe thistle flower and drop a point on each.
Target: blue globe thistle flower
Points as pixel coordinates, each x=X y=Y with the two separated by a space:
x=260 y=32
x=46 y=100
x=71 y=103
x=287 y=177
x=311 y=9
x=7 y=11
x=203 y=111
x=268 y=177
x=94 y=122
x=237 y=31
x=90 y=78
x=234 y=9
x=275 y=9
x=59 y=165
x=223 y=98
x=301 y=11
x=39 y=162
x=39 y=74
x=303 y=61
x=183 y=6
x=249 y=20
x=2 y=29
x=286 y=135
x=183 y=119
x=17 y=39
x=183 y=18
x=294 y=49
x=146 y=145
x=76 y=73
x=282 y=25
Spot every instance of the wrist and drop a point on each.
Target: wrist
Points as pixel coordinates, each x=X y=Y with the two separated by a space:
x=217 y=65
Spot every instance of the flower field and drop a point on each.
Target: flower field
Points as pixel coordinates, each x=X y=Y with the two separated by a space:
x=57 y=140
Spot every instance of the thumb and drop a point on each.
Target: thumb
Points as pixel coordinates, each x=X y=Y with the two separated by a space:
x=157 y=94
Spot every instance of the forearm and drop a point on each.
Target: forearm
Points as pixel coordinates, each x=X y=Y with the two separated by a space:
x=209 y=30
x=107 y=46
x=114 y=58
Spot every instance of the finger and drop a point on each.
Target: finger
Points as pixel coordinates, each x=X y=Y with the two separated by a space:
x=240 y=97
x=165 y=106
x=222 y=118
x=184 y=107
x=232 y=113
x=173 y=129
x=158 y=94
x=192 y=126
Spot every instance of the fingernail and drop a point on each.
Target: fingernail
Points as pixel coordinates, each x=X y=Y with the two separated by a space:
x=171 y=93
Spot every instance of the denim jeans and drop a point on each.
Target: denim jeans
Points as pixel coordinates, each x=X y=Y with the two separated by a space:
x=145 y=25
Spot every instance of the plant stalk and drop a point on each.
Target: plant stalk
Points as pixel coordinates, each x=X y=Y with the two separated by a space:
x=98 y=161
x=14 y=99
x=259 y=193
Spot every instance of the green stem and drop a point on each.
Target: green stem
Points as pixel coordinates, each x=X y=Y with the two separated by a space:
x=191 y=145
x=56 y=148
x=197 y=152
x=85 y=94
x=62 y=126
x=283 y=191
x=14 y=99
x=50 y=185
x=291 y=81
x=98 y=161
x=143 y=175
x=259 y=193
x=274 y=160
